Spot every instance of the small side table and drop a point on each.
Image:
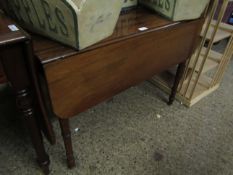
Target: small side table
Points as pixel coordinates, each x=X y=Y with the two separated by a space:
x=16 y=56
x=79 y=80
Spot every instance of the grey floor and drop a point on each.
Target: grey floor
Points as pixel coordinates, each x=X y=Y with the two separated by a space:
x=134 y=134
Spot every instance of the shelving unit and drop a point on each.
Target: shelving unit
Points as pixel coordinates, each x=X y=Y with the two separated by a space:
x=206 y=67
x=223 y=32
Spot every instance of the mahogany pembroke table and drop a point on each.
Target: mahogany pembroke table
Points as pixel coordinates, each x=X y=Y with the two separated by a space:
x=142 y=45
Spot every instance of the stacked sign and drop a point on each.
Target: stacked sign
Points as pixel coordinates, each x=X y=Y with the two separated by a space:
x=77 y=23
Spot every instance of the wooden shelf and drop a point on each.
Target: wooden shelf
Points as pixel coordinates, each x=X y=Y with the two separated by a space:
x=223 y=32
x=223 y=26
x=202 y=85
x=212 y=61
x=165 y=79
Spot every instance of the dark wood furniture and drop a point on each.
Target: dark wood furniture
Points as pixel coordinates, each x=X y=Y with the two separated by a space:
x=17 y=63
x=78 y=80
x=2 y=75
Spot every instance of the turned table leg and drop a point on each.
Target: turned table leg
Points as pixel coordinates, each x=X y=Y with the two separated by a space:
x=25 y=105
x=16 y=70
x=179 y=74
x=66 y=134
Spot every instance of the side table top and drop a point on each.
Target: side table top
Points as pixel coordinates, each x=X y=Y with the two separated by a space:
x=10 y=32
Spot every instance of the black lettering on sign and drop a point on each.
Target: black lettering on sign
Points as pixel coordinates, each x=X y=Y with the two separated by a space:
x=167 y=5
x=48 y=15
x=96 y=20
x=27 y=10
x=40 y=21
x=61 y=20
x=161 y=3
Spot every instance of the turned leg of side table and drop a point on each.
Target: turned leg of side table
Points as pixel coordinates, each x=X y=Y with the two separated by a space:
x=16 y=70
x=25 y=105
x=66 y=134
x=179 y=74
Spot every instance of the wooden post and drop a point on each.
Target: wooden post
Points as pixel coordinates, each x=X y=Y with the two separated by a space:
x=179 y=73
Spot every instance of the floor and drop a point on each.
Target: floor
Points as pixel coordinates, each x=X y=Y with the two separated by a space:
x=135 y=133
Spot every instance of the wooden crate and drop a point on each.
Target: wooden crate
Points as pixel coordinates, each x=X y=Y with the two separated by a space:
x=75 y=23
x=177 y=10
